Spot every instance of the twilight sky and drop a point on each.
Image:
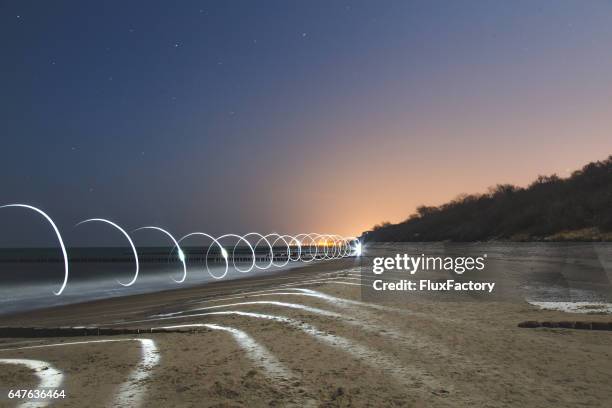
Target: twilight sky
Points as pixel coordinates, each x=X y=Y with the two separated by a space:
x=326 y=116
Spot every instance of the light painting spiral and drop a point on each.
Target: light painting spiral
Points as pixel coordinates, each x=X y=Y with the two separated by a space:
x=130 y=283
x=282 y=249
x=59 y=238
x=181 y=254
x=224 y=253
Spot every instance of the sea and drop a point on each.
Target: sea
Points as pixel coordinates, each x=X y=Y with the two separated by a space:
x=30 y=276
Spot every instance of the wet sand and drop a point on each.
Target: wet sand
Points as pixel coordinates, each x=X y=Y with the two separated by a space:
x=314 y=344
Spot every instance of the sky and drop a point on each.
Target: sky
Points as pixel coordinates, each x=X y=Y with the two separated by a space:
x=300 y=116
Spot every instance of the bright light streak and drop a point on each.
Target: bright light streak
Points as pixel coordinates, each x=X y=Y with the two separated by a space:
x=261 y=238
x=130 y=283
x=279 y=238
x=223 y=251
x=326 y=246
x=49 y=377
x=358 y=248
x=181 y=255
x=59 y=237
x=292 y=239
x=313 y=244
x=234 y=251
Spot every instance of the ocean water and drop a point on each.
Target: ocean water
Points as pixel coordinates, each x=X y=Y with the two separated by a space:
x=29 y=277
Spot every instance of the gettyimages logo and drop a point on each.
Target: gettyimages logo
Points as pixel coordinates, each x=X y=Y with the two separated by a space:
x=412 y=264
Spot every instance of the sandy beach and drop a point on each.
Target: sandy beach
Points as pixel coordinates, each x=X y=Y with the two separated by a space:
x=305 y=338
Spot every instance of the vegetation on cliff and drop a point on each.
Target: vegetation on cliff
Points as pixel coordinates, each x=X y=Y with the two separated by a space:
x=551 y=208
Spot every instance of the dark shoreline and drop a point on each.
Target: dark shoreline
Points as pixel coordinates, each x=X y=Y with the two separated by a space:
x=41 y=316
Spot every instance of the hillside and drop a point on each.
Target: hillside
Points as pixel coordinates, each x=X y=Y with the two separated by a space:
x=577 y=208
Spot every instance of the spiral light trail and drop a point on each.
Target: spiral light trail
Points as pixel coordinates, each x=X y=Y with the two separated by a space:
x=303 y=247
x=180 y=252
x=130 y=283
x=59 y=238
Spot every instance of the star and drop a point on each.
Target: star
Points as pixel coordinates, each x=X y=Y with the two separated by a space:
x=304 y=35
x=176 y=45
